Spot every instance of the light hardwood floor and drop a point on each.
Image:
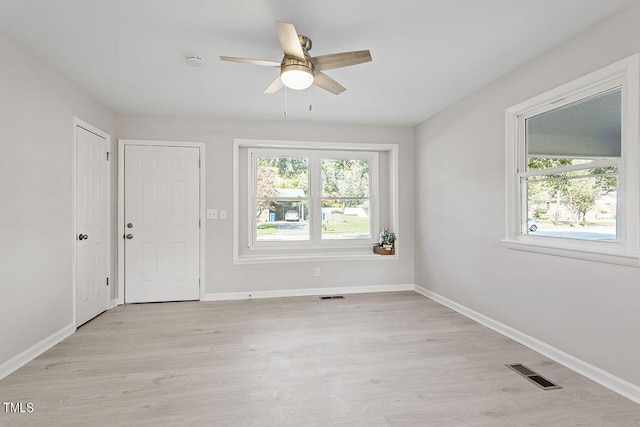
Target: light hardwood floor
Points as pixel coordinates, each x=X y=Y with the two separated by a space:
x=368 y=360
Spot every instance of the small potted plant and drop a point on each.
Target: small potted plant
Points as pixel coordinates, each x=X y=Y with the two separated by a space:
x=386 y=243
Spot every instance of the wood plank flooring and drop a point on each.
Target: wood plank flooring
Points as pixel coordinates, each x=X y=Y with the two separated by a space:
x=385 y=359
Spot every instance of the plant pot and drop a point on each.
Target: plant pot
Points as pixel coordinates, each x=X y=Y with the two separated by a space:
x=381 y=250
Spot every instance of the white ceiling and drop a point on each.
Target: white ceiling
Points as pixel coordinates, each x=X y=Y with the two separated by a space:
x=427 y=54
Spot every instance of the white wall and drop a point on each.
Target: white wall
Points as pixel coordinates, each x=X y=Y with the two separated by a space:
x=222 y=275
x=589 y=310
x=37 y=106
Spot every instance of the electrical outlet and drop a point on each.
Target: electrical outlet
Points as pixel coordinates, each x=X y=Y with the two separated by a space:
x=212 y=213
x=316 y=272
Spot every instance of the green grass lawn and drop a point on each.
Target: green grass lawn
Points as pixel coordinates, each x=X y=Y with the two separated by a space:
x=267 y=228
x=351 y=224
x=546 y=224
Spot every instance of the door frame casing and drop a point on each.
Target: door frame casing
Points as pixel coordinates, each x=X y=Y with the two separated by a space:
x=74 y=279
x=122 y=143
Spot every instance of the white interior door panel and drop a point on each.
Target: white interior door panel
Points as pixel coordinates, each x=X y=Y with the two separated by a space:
x=162 y=223
x=92 y=225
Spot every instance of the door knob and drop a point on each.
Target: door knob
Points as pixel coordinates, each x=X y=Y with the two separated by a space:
x=83 y=236
x=129 y=236
x=129 y=225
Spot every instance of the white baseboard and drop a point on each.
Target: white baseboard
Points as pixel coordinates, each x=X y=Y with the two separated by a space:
x=113 y=303
x=21 y=359
x=608 y=380
x=306 y=292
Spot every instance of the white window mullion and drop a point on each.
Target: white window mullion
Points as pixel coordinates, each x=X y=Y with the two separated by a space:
x=570 y=168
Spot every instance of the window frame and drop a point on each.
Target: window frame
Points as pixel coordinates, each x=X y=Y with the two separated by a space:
x=625 y=75
x=388 y=199
x=315 y=197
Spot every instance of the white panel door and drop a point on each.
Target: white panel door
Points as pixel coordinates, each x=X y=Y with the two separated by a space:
x=92 y=225
x=162 y=223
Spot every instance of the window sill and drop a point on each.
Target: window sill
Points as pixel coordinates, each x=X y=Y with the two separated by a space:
x=550 y=248
x=341 y=256
x=359 y=246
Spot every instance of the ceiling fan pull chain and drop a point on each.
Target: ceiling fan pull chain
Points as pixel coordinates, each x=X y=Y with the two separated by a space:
x=310 y=106
x=285 y=101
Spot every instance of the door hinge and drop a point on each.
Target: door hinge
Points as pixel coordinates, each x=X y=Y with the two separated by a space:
x=108 y=156
x=199 y=223
x=107 y=281
x=199 y=163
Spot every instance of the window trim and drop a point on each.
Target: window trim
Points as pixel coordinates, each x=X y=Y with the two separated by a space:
x=314 y=198
x=346 y=250
x=624 y=74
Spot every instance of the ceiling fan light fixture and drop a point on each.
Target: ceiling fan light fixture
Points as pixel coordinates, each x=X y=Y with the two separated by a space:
x=297 y=79
x=296 y=74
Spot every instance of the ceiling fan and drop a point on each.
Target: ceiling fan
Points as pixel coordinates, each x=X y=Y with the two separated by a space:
x=298 y=70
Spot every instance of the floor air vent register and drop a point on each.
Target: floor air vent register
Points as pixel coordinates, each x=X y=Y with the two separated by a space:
x=333 y=297
x=532 y=376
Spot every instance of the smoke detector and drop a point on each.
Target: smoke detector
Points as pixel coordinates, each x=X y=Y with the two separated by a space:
x=195 y=61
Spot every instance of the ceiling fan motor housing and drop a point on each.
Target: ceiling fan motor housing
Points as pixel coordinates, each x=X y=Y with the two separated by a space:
x=305 y=43
x=295 y=64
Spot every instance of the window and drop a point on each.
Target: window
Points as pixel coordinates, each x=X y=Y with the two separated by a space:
x=280 y=197
x=346 y=198
x=572 y=168
x=304 y=200
x=312 y=197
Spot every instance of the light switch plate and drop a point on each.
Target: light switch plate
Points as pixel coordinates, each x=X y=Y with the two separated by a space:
x=223 y=214
x=212 y=213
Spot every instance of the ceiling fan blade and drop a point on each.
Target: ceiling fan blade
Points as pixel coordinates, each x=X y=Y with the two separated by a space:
x=327 y=83
x=275 y=86
x=261 y=62
x=289 y=40
x=338 y=60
